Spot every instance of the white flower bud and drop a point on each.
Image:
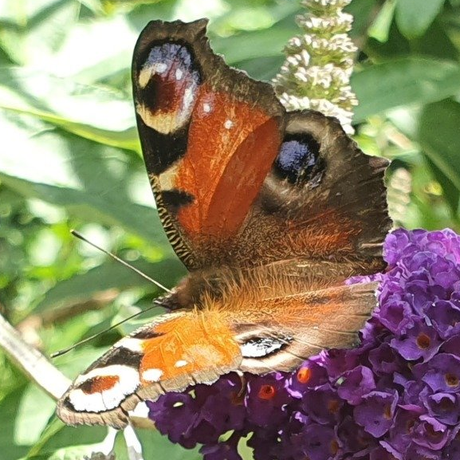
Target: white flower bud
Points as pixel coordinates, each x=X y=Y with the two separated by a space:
x=319 y=63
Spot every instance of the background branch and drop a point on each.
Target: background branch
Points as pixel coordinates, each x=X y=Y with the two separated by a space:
x=35 y=365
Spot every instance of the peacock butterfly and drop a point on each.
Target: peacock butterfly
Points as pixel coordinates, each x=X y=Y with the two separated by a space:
x=269 y=210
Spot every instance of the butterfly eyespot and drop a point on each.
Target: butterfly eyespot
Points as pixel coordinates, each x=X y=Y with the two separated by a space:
x=168 y=82
x=298 y=160
x=171 y=61
x=259 y=347
x=99 y=384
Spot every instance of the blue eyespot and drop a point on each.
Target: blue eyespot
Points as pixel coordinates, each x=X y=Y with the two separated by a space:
x=168 y=54
x=298 y=160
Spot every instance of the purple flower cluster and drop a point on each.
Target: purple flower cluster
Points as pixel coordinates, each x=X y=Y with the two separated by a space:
x=396 y=396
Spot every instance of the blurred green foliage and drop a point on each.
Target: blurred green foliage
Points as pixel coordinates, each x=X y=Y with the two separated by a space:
x=70 y=158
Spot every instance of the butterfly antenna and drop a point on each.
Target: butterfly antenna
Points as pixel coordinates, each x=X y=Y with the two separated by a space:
x=126 y=264
x=81 y=342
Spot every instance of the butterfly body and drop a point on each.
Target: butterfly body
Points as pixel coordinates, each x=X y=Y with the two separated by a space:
x=270 y=211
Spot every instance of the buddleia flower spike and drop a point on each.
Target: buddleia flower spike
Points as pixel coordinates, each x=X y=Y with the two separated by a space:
x=319 y=63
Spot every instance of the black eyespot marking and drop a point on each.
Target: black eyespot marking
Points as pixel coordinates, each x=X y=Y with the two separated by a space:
x=173 y=78
x=161 y=151
x=89 y=386
x=175 y=199
x=299 y=162
x=121 y=356
x=259 y=347
x=147 y=333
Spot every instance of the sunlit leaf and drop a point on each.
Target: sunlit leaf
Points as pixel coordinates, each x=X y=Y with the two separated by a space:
x=403 y=82
x=439 y=138
x=84 y=287
x=95 y=182
x=94 y=112
x=35 y=29
x=415 y=16
x=380 y=27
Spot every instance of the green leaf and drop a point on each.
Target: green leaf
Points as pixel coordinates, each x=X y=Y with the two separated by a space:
x=264 y=43
x=35 y=29
x=380 y=28
x=438 y=135
x=262 y=68
x=111 y=210
x=435 y=43
x=9 y=448
x=450 y=192
x=57 y=435
x=154 y=445
x=415 y=16
x=93 y=112
x=92 y=181
x=110 y=275
x=402 y=82
x=362 y=12
x=34 y=412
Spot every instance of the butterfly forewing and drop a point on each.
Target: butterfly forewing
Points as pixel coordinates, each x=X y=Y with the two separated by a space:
x=209 y=135
x=238 y=181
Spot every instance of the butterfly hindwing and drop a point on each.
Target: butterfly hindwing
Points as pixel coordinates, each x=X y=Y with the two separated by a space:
x=234 y=333
x=169 y=354
x=324 y=200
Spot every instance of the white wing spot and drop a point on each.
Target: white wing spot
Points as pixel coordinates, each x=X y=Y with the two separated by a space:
x=159 y=67
x=189 y=95
x=181 y=363
x=179 y=74
x=206 y=108
x=132 y=344
x=152 y=375
x=228 y=124
x=259 y=347
x=108 y=399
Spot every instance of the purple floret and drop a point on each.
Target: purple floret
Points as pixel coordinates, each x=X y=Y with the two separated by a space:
x=396 y=396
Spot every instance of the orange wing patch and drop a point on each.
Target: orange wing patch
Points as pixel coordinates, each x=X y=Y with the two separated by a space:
x=173 y=352
x=195 y=344
x=224 y=186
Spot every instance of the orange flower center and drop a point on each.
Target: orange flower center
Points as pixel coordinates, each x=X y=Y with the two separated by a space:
x=423 y=341
x=267 y=392
x=304 y=374
x=451 y=380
